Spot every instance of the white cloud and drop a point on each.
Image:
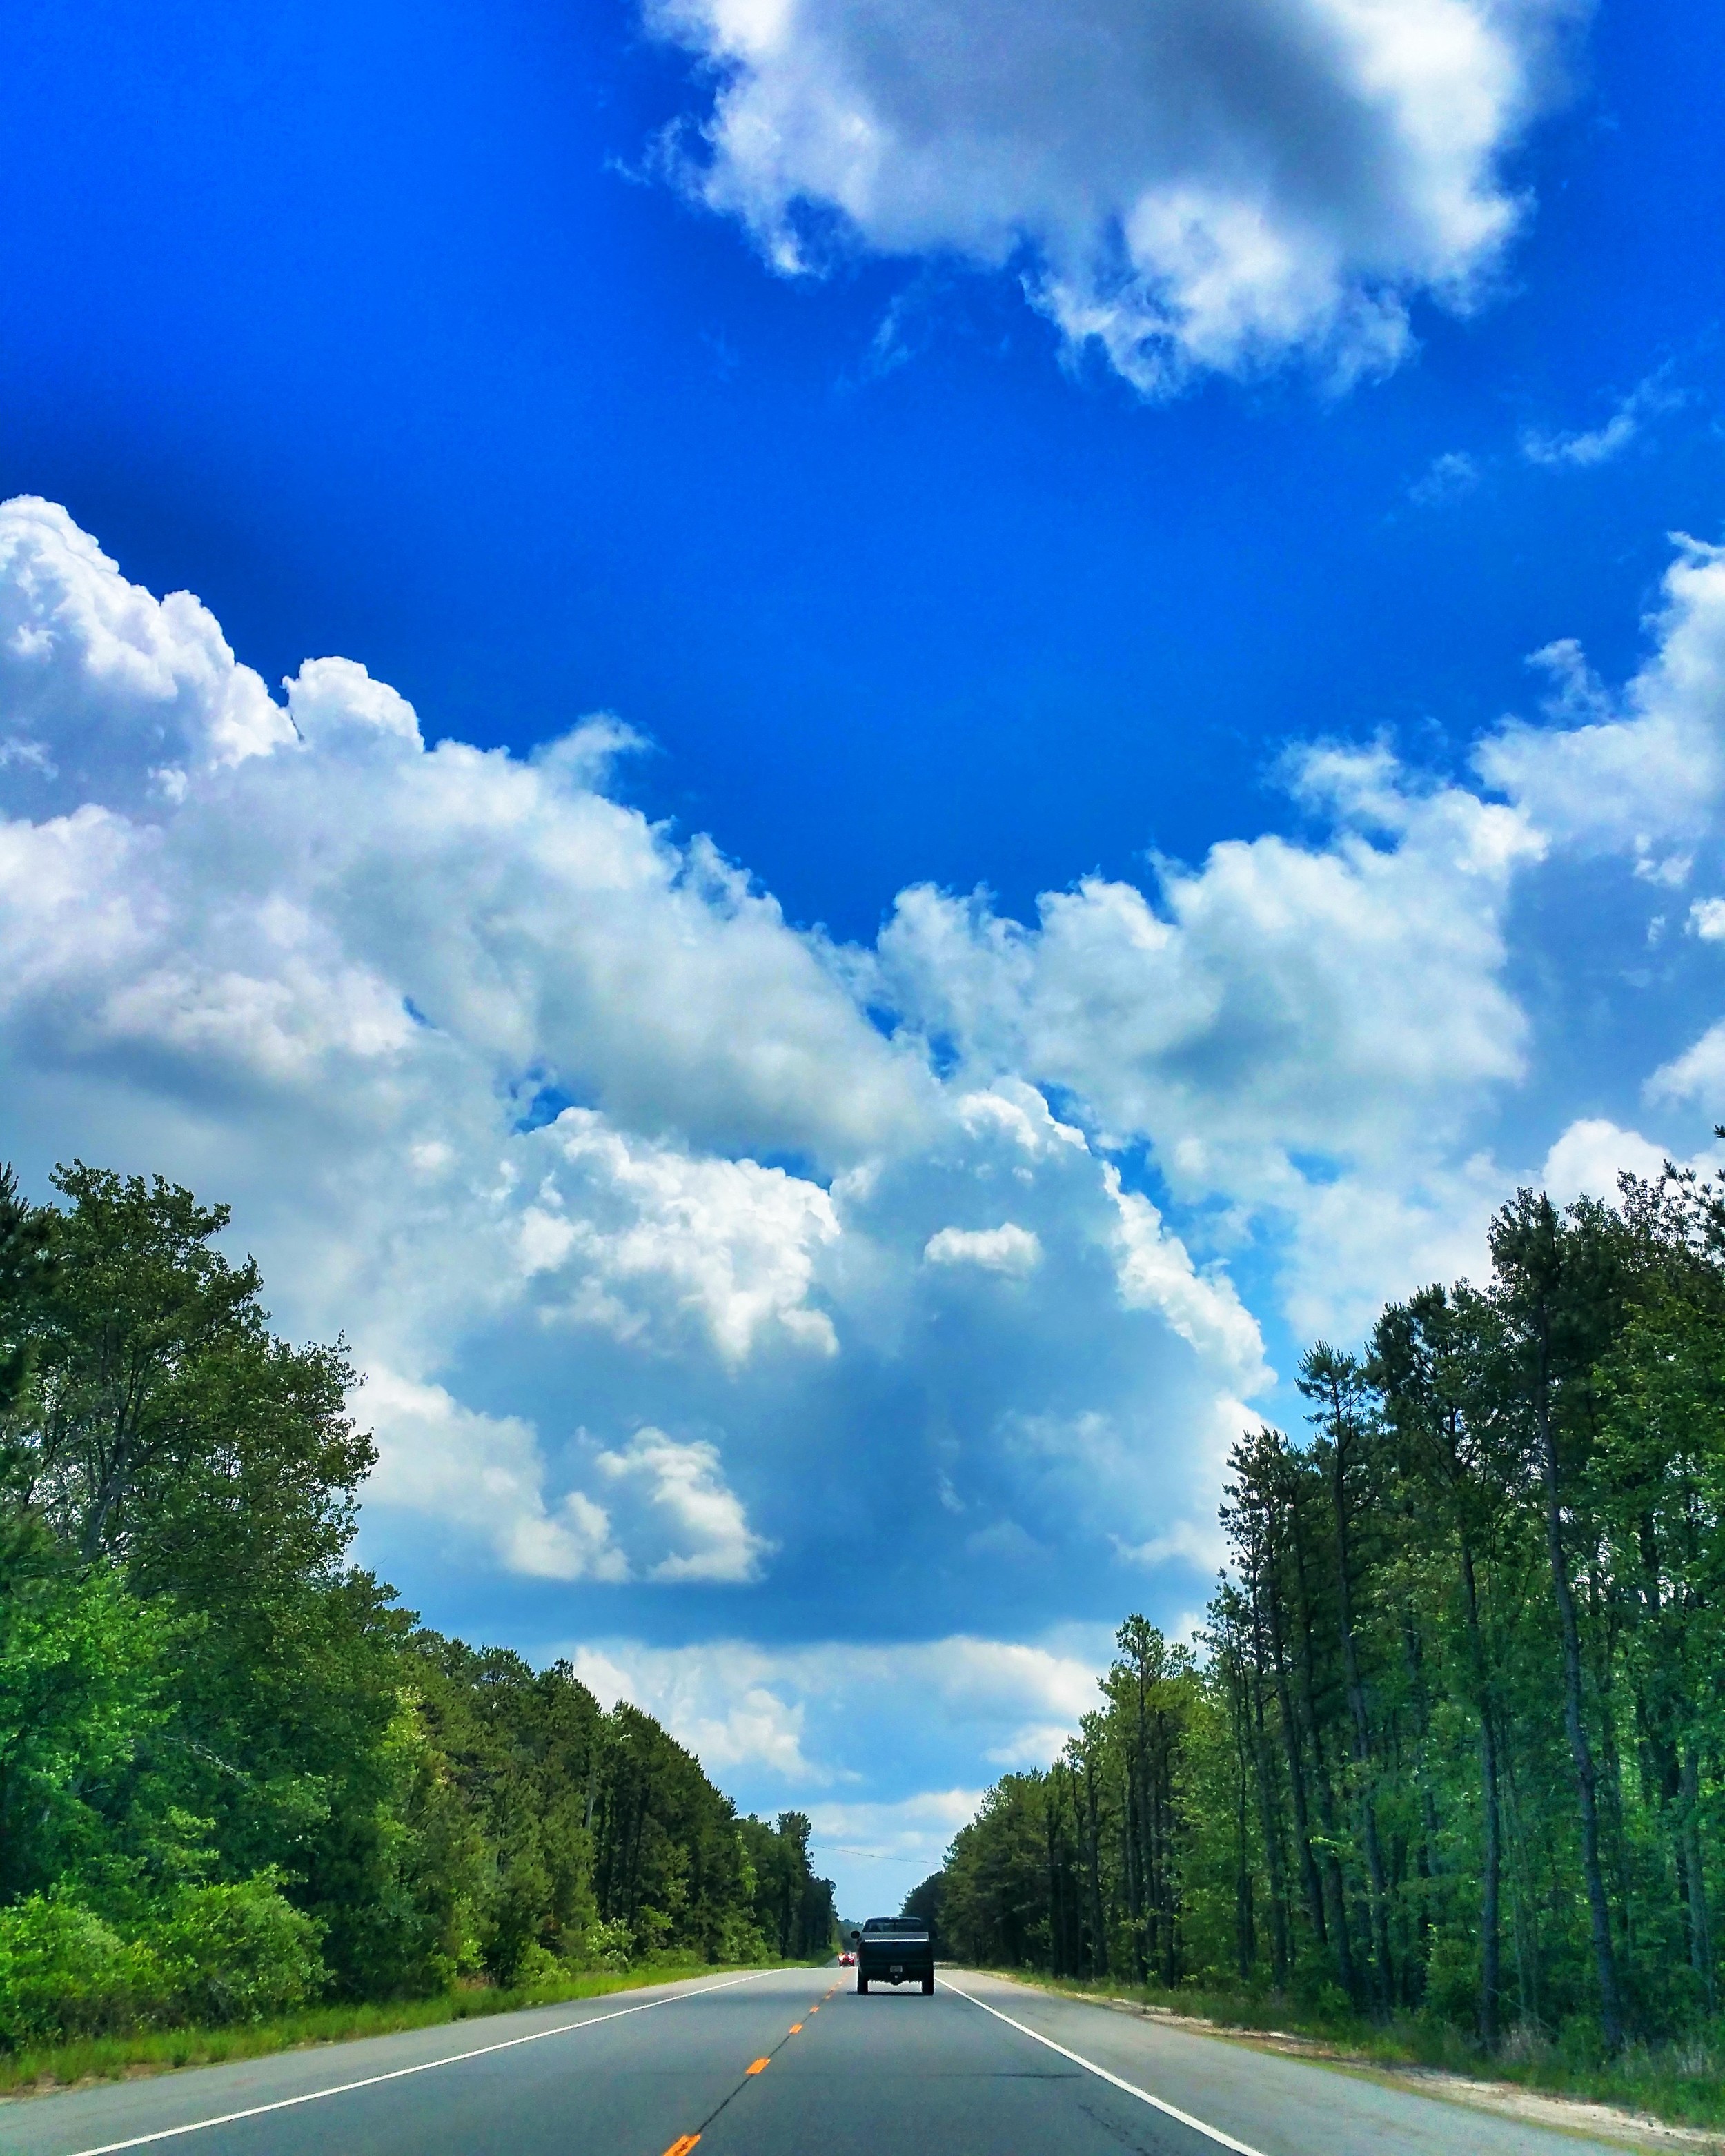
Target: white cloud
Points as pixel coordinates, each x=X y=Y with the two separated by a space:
x=1298 y=1032
x=1707 y=919
x=667 y=1512
x=728 y=1242
x=712 y=1699
x=1331 y=993
x=683 y=1486
x=491 y=1069
x=1201 y=1546
x=1156 y=1272
x=109 y=694
x=1599 y=445
x=1698 y=1075
x=1637 y=772
x=777 y=1710
x=1451 y=477
x=674 y=1268
x=1587 y=1160
x=482 y=1476
x=1191 y=189
x=1007 y=1249
x=542 y=933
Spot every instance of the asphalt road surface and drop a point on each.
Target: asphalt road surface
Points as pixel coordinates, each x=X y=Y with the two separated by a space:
x=787 y=2062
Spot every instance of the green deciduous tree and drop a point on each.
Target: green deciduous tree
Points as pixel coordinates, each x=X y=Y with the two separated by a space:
x=233 y=1774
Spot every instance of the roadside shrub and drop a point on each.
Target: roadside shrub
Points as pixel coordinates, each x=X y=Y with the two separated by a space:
x=64 y=1973
x=240 y=1952
x=739 y=1940
x=609 y=1944
x=536 y=1965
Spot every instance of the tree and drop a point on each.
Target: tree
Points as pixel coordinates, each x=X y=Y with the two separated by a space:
x=1558 y=1289
x=232 y=1769
x=1455 y=1724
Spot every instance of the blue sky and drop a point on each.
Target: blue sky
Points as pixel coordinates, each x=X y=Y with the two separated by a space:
x=1142 y=481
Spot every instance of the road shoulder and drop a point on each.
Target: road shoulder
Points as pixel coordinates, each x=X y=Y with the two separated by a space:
x=1574 y=2116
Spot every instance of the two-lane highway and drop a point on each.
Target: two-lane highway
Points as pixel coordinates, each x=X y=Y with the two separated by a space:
x=779 y=2063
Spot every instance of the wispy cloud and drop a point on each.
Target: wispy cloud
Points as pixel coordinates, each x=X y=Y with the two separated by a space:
x=1449 y=477
x=1598 y=445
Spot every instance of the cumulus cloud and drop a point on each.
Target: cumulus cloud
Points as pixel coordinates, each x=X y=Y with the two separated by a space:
x=730 y=1244
x=682 y=1487
x=484 y=1476
x=719 y=1700
x=1278 y=985
x=495 y=1073
x=1697 y=1076
x=1588 y=1159
x=1187 y=186
x=108 y=694
x=1639 y=772
x=1007 y=1249
x=688 y=1254
x=779 y=1708
x=1301 y=1030
x=1707 y=919
x=655 y=1510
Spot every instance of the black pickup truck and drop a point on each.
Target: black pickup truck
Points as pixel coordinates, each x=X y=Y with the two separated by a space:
x=894 y=1950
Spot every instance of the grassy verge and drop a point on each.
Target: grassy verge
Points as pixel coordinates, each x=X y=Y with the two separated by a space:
x=1680 y=2082
x=52 y=2067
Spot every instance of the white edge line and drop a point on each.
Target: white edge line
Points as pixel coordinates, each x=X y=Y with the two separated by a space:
x=1211 y=2133
x=425 y=2066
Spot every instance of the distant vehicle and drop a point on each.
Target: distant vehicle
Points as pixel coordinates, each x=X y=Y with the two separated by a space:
x=847 y=1959
x=894 y=1950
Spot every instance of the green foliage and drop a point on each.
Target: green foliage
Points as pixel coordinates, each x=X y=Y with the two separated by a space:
x=237 y=1951
x=791 y=1911
x=1454 y=1753
x=64 y=1973
x=43 y=2063
x=927 y=1900
x=234 y=1777
x=81 y=1662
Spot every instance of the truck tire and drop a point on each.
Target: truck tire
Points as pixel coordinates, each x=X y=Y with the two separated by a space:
x=862 y=1982
x=928 y=1984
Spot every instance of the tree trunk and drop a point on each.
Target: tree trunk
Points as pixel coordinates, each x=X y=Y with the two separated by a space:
x=1266 y=1810
x=1383 y=1977
x=1580 y=1750
x=1490 y=1934
x=1099 y=1950
x=1700 y=1945
x=1325 y=1796
x=1296 y=1778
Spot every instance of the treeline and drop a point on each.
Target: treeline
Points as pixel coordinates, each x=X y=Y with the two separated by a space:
x=235 y=1776
x=1453 y=1743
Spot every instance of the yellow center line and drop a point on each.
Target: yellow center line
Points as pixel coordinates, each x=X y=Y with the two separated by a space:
x=683 y=2143
x=760 y=2065
x=795 y=2028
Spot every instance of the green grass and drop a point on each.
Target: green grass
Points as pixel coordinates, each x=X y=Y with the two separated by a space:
x=50 y=2066
x=1681 y=2081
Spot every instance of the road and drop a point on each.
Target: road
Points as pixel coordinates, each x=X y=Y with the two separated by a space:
x=786 y=2062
